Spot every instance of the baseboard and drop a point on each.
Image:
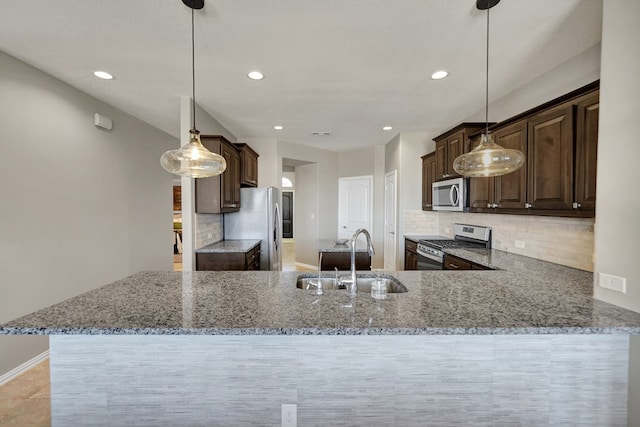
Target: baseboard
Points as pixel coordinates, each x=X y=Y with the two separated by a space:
x=15 y=372
x=308 y=266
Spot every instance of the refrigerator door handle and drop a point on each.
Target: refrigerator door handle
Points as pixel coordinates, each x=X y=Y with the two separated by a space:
x=276 y=226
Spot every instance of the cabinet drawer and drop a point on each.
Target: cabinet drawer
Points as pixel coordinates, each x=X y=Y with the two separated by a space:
x=455 y=263
x=410 y=245
x=252 y=259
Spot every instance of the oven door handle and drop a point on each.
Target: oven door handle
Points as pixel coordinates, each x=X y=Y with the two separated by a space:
x=430 y=256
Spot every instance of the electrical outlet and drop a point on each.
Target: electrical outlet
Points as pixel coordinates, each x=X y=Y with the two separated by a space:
x=615 y=283
x=447 y=230
x=289 y=415
x=520 y=244
x=209 y=236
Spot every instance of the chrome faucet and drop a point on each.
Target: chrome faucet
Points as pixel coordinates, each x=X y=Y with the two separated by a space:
x=352 y=282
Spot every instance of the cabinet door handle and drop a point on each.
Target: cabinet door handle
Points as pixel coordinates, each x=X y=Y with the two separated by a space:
x=454 y=266
x=528 y=205
x=576 y=205
x=495 y=205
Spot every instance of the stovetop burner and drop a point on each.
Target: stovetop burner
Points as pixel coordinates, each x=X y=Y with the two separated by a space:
x=465 y=236
x=449 y=243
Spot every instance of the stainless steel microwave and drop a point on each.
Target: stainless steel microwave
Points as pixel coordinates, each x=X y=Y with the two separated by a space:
x=450 y=195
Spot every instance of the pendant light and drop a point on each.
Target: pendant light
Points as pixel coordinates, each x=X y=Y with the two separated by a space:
x=193 y=160
x=488 y=158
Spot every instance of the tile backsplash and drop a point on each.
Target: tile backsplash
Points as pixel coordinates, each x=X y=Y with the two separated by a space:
x=566 y=241
x=208 y=229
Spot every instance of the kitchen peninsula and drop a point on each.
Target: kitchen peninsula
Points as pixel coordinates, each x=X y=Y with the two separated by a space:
x=525 y=343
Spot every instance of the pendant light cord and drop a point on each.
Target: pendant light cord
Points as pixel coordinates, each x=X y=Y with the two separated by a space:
x=193 y=65
x=486 y=109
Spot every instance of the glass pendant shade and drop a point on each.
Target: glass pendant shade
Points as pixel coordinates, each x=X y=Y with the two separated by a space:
x=193 y=160
x=488 y=159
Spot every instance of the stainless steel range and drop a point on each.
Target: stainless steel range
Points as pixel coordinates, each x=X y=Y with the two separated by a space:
x=430 y=254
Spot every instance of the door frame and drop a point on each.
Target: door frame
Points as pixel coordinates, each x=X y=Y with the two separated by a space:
x=393 y=173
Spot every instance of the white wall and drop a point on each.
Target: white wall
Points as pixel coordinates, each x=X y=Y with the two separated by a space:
x=307 y=222
x=572 y=74
x=82 y=207
x=327 y=182
x=617 y=229
x=403 y=154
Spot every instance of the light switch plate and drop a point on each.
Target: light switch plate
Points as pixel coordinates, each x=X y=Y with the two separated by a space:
x=615 y=283
x=289 y=415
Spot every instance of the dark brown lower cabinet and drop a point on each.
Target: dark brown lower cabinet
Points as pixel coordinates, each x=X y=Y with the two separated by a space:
x=410 y=255
x=220 y=261
x=342 y=261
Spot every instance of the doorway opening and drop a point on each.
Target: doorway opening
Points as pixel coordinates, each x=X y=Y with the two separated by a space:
x=287 y=214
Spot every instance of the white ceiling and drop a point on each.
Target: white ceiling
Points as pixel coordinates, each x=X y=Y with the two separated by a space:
x=344 y=66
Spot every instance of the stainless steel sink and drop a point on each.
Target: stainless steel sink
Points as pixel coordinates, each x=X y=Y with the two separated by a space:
x=394 y=286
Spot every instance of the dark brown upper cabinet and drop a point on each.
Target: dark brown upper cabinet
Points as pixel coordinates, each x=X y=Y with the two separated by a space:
x=220 y=194
x=248 y=166
x=560 y=141
x=550 y=160
x=428 y=178
x=450 y=145
x=587 y=111
x=507 y=191
x=231 y=179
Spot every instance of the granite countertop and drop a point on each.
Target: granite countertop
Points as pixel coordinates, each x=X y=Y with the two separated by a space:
x=525 y=296
x=329 y=245
x=244 y=245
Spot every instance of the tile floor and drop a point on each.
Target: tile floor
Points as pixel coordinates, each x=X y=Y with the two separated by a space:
x=25 y=400
x=289 y=256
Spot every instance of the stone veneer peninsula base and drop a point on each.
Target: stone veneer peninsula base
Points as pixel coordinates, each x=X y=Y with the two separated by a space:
x=349 y=380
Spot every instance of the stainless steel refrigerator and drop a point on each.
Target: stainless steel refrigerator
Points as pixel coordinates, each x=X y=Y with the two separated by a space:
x=259 y=218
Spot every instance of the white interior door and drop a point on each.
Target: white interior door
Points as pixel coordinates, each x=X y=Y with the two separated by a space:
x=355 y=205
x=390 y=203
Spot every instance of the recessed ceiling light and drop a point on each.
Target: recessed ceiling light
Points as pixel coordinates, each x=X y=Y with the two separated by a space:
x=278 y=127
x=255 y=75
x=103 y=75
x=387 y=128
x=439 y=75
